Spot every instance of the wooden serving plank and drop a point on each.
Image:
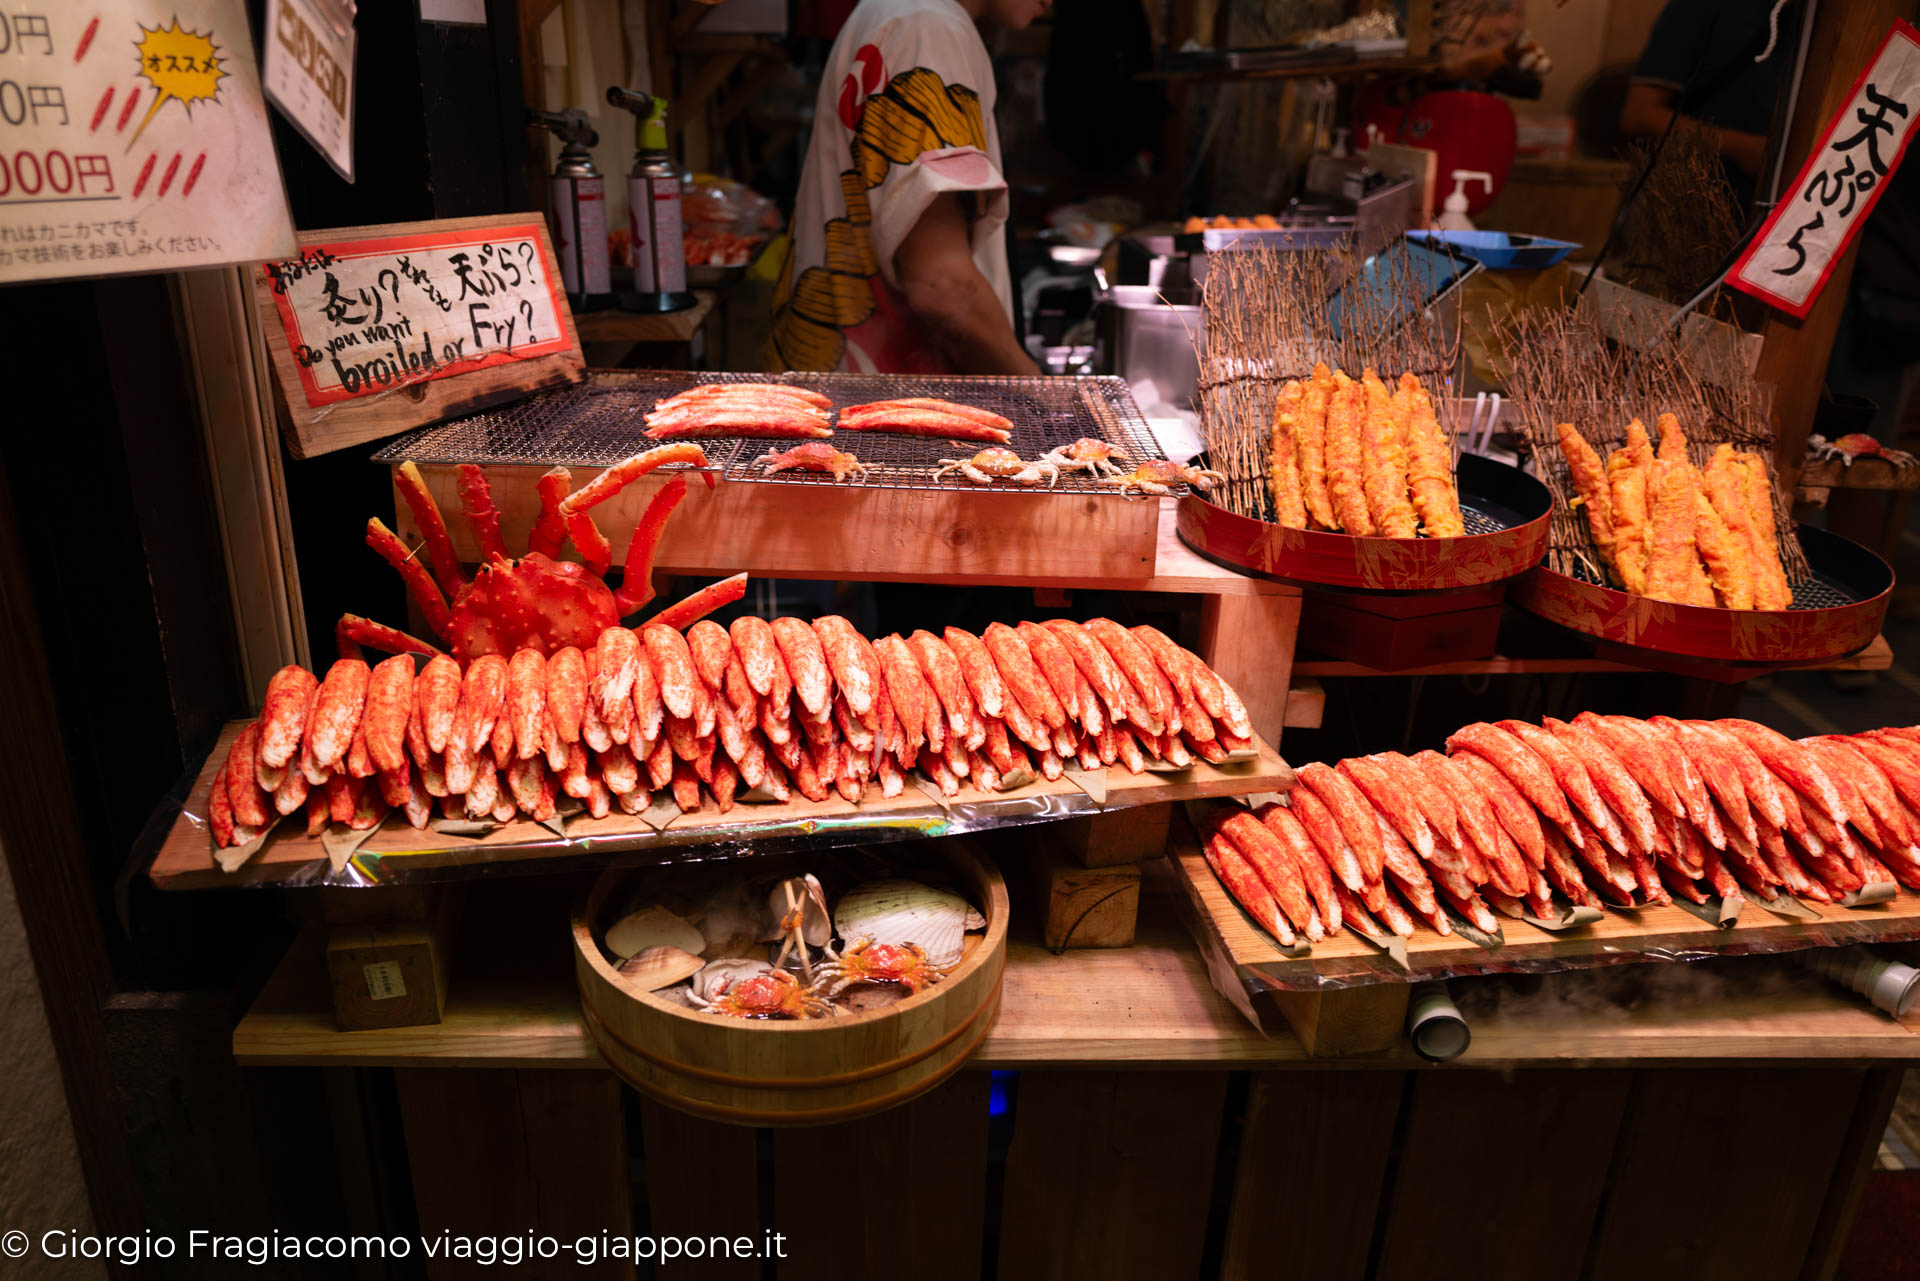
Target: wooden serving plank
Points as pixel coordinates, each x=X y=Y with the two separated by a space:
x=185 y=860
x=1246 y=962
x=515 y=1003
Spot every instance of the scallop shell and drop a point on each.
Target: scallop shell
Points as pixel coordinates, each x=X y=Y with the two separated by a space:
x=900 y=911
x=816 y=926
x=649 y=927
x=730 y=969
x=659 y=966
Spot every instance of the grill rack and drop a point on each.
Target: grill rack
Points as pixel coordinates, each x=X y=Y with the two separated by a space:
x=603 y=420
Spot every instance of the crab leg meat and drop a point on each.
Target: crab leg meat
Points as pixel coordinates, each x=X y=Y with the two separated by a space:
x=433 y=528
x=527 y=703
x=1902 y=770
x=1503 y=864
x=851 y=658
x=977 y=665
x=906 y=692
x=1352 y=811
x=806 y=664
x=567 y=689
x=1324 y=830
x=636 y=578
x=711 y=650
x=1611 y=779
x=1522 y=767
x=1432 y=801
x=1516 y=815
x=1398 y=807
x=703 y=602
x=1717 y=770
x=1572 y=777
x=726 y=418
x=1641 y=754
x=1015 y=663
x=239 y=781
x=336 y=711
x=1096 y=665
x=1285 y=826
x=283 y=714
x=1274 y=864
x=1247 y=887
x=672 y=664
x=1791 y=762
x=389 y=705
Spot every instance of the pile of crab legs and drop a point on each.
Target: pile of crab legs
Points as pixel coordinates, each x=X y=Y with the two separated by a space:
x=1599 y=811
x=548 y=695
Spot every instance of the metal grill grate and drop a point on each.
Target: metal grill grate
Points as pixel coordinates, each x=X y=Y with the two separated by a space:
x=604 y=420
x=1815 y=593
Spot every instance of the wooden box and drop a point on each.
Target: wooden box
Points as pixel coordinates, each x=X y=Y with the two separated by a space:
x=1410 y=630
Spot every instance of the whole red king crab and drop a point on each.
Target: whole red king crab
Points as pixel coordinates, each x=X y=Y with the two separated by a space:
x=535 y=601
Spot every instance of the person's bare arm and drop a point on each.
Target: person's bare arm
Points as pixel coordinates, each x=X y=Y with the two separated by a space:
x=1649 y=108
x=945 y=290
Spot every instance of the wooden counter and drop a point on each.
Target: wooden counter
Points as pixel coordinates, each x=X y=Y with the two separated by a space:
x=1145 y=1006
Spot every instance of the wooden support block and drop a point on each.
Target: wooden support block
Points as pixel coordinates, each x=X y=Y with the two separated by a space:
x=926 y=1224
x=1110 y=1175
x=391 y=973
x=1500 y=1178
x=1352 y=1020
x=1338 y=1125
x=1249 y=640
x=1306 y=704
x=1117 y=836
x=505 y=1153
x=1086 y=906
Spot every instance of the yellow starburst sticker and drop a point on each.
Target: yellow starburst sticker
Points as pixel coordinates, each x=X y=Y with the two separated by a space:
x=182 y=65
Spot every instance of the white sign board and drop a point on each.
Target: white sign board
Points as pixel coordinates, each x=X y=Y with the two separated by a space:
x=1788 y=263
x=133 y=138
x=307 y=71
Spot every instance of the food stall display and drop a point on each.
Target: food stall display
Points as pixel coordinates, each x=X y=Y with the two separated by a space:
x=1676 y=545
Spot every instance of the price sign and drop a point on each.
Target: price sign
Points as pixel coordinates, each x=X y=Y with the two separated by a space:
x=133 y=138
x=385 y=328
x=307 y=70
x=1818 y=216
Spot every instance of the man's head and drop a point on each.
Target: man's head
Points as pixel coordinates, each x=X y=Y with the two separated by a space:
x=1014 y=15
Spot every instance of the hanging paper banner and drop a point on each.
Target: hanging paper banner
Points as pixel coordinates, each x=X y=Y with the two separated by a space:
x=1818 y=216
x=133 y=138
x=306 y=68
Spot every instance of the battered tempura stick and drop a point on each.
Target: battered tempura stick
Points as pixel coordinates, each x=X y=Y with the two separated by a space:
x=1673 y=441
x=1383 y=460
x=1430 y=464
x=1671 y=558
x=1289 y=509
x=1310 y=447
x=1345 y=413
x=1770 y=580
x=1590 y=479
x=1725 y=485
x=1629 y=473
x=1729 y=560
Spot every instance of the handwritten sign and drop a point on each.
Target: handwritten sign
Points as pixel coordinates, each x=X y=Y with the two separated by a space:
x=385 y=328
x=1817 y=218
x=133 y=138
x=306 y=68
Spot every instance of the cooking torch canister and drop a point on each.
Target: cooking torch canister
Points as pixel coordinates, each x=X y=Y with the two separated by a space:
x=579 y=207
x=653 y=201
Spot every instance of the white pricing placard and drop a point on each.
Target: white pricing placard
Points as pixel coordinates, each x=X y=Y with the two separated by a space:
x=307 y=71
x=133 y=138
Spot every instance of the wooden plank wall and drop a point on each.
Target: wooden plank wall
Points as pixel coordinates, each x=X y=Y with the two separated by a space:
x=1643 y=1174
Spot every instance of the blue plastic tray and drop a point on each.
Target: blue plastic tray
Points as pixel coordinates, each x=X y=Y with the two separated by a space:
x=1500 y=249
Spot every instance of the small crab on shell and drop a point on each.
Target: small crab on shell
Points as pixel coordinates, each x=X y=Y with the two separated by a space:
x=715 y=976
x=896 y=912
x=865 y=961
x=1088 y=455
x=1157 y=476
x=995 y=463
x=775 y=994
x=815 y=456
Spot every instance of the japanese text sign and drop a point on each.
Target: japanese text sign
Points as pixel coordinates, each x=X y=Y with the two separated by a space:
x=307 y=68
x=1819 y=214
x=385 y=328
x=133 y=138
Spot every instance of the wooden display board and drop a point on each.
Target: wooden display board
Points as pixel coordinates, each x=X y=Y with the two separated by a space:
x=375 y=330
x=1249 y=968
x=185 y=860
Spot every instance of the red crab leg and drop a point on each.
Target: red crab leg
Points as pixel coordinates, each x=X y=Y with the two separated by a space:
x=1274 y=864
x=1570 y=774
x=242 y=787
x=1324 y=830
x=627 y=470
x=336 y=711
x=1286 y=827
x=941 y=669
x=1522 y=766
x=527 y=703
x=595 y=551
x=433 y=528
x=636 y=581
x=1399 y=807
x=1517 y=818
x=352 y=631
x=1355 y=816
x=476 y=501
x=433 y=606
x=549 y=531
x=701 y=603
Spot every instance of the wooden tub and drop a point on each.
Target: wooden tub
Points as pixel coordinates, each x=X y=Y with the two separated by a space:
x=785 y=1073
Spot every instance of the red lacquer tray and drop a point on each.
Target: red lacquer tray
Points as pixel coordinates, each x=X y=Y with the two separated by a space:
x=1837 y=613
x=1506 y=516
